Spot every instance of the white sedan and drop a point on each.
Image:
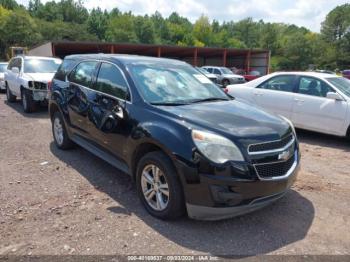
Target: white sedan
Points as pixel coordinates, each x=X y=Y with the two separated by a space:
x=314 y=101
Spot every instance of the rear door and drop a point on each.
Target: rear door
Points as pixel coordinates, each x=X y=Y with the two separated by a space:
x=276 y=95
x=313 y=110
x=80 y=81
x=107 y=120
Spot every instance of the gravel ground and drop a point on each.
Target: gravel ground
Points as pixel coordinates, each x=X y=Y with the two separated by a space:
x=54 y=202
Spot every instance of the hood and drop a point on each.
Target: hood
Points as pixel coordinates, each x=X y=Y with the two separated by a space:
x=211 y=75
x=232 y=76
x=234 y=119
x=40 y=77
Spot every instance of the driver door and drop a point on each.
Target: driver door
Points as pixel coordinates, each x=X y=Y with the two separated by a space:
x=276 y=95
x=107 y=122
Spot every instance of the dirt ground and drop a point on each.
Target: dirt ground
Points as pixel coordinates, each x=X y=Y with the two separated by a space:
x=71 y=202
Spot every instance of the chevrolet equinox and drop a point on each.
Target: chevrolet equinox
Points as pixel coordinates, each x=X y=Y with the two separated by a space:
x=188 y=146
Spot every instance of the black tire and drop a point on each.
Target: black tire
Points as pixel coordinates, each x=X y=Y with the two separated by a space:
x=225 y=82
x=28 y=103
x=64 y=143
x=176 y=205
x=10 y=97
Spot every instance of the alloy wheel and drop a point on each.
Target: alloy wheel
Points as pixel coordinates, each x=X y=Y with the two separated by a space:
x=58 y=130
x=155 y=187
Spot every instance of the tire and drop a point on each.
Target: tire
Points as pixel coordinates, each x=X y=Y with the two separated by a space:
x=10 y=97
x=28 y=103
x=175 y=204
x=61 y=138
x=225 y=82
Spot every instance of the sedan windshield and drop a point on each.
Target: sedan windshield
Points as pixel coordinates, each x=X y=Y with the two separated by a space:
x=174 y=84
x=341 y=83
x=41 y=65
x=226 y=71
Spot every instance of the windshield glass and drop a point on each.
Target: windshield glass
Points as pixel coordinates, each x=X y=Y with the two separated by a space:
x=41 y=65
x=203 y=71
x=3 y=68
x=341 y=83
x=226 y=71
x=169 y=84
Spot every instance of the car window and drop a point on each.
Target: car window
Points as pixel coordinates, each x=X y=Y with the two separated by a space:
x=341 y=83
x=210 y=70
x=111 y=81
x=3 y=68
x=15 y=62
x=216 y=71
x=39 y=65
x=83 y=73
x=64 y=69
x=283 y=83
x=313 y=86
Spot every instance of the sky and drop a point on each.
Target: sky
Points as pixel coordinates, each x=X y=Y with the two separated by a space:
x=305 y=13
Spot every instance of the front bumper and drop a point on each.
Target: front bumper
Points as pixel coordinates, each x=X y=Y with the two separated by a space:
x=228 y=194
x=40 y=95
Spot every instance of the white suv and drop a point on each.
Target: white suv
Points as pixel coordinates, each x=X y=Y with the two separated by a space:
x=28 y=77
x=224 y=75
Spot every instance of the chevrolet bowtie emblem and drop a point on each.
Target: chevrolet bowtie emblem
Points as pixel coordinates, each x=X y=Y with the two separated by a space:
x=284 y=155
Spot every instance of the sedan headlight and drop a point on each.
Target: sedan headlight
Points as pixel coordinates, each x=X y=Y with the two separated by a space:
x=216 y=148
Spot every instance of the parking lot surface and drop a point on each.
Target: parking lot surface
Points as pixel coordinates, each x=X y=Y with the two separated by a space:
x=71 y=202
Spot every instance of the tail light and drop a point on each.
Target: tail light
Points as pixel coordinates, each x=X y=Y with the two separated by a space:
x=49 y=85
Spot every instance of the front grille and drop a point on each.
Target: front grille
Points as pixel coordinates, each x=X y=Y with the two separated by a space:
x=276 y=169
x=38 y=85
x=273 y=145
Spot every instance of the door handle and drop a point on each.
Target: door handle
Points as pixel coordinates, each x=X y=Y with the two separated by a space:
x=257 y=93
x=299 y=100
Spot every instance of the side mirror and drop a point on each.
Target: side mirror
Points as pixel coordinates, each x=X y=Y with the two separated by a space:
x=334 y=96
x=15 y=70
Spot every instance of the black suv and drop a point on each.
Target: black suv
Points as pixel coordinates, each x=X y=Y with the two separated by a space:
x=188 y=146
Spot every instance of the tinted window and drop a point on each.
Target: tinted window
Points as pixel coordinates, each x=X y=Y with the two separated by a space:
x=64 y=69
x=111 y=81
x=313 y=86
x=82 y=74
x=279 y=83
x=216 y=71
x=34 y=65
x=210 y=70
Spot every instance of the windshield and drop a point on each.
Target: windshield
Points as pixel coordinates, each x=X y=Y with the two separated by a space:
x=3 y=68
x=226 y=71
x=174 y=84
x=41 y=65
x=203 y=71
x=341 y=83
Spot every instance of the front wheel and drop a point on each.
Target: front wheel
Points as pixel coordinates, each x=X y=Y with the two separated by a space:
x=159 y=187
x=10 y=97
x=225 y=82
x=28 y=103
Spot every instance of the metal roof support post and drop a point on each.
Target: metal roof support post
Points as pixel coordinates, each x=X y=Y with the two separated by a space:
x=159 y=51
x=195 y=57
x=268 y=56
x=112 y=49
x=224 y=57
x=247 y=62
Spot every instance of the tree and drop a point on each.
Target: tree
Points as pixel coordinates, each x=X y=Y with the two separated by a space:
x=121 y=29
x=9 y=4
x=97 y=23
x=144 y=30
x=203 y=31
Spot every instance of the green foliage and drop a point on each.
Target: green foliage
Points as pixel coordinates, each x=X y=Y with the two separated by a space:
x=292 y=47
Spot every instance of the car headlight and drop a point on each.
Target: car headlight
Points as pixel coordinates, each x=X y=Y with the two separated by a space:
x=291 y=125
x=216 y=148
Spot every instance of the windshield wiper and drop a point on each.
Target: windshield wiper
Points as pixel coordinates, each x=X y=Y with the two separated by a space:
x=209 y=99
x=169 y=103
